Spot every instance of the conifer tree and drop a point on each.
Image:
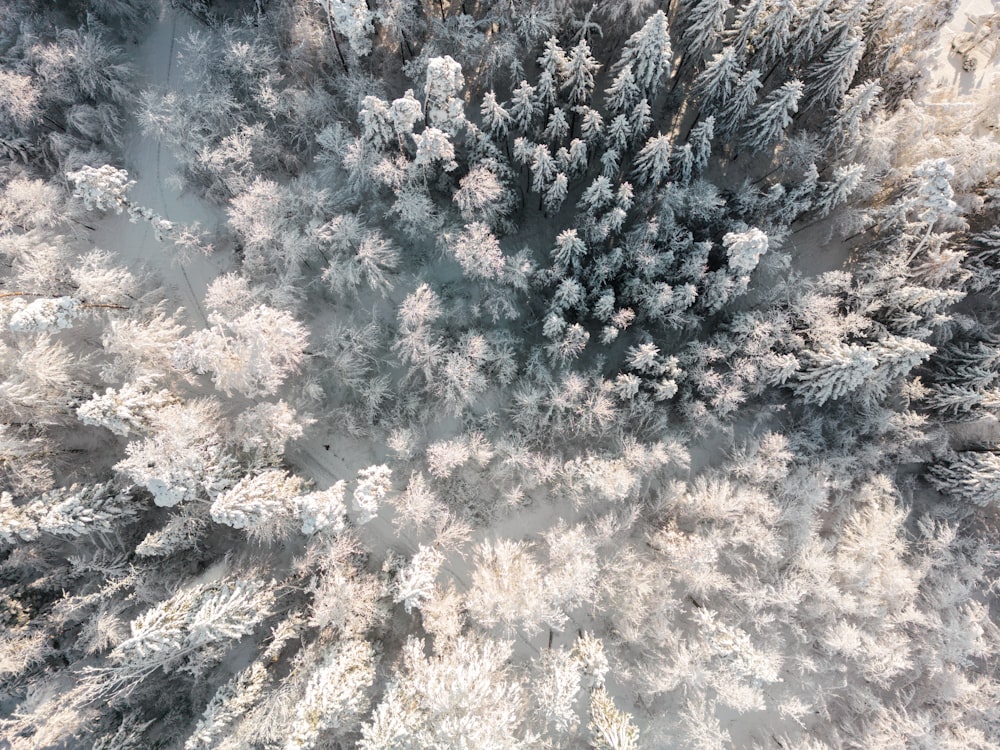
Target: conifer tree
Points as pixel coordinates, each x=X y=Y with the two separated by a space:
x=581 y=67
x=647 y=52
x=703 y=23
x=716 y=84
x=771 y=117
x=830 y=78
x=652 y=163
x=730 y=117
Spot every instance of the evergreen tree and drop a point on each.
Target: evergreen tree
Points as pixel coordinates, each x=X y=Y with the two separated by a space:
x=747 y=18
x=647 y=52
x=652 y=163
x=769 y=120
x=730 y=117
x=581 y=67
x=623 y=92
x=971 y=476
x=828 y=80
x=524 y=108
x=772 y=38
x=716 y=84
x=496 y=119
x=703 y=23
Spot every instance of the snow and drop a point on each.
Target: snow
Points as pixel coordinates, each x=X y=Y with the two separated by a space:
x=945 y=76
x=151 y=165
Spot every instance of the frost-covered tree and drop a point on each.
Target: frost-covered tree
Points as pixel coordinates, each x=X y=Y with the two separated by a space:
x=354 y=20
x=415 y=582
x=610 y=727
x=203 y=616
x=972 y=476
x=581 y=67
x=702 y=23
x=259 y=504
x=647 y=52
x=336 y=695
x=443 y=91
x=126 y=410
x=252 y=353
x=652 y=163
x=373 y=484
x=768 y=121
x=183 y=458
x=477 y=251
x=466 y=695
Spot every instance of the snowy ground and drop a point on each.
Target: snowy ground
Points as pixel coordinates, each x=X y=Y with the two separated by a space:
x=947 y=80
x=151 y=164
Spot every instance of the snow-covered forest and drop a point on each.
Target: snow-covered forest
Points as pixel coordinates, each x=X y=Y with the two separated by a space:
x=500 y=374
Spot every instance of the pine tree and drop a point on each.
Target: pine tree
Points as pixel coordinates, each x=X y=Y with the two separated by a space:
x=581 y=66
x=743 y=249
x=569 y=251
x=496 y=119
x=700 y=141
x=354 y=20
x=374 y=483
x=557 y=127
x=610 y=728
x=747 y=18
x=555 y=193
x=524 y=108
x=336 y=695
x=200 y=617
x=716 y=84
x=769 y=120
x=859 y=102
x=771 y=40
x=252 y=353
x=831 y=77
x=834 y=371
x=477 y=251
x=652 y=163
x=703 y=23
x=971 y=476
x=415 y=583
x=259 y=504
x=591 y=125
x=623 y=92
x=731 y=116
x=845 y=181
x=647 y=52
x=814 y=22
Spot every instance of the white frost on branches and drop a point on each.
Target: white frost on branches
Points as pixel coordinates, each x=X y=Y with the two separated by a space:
x=125 y=410
x=415 y=582
x=352 y=19
x=267 y=498
x=443 y=90
x=102 y=188
x=744 y=249
x=324 y=510
x=251 y=354
x=336 y=695
x=374 y=484
x=53 y=314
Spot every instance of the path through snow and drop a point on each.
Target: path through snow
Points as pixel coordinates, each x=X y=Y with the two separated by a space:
x=151 y=164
